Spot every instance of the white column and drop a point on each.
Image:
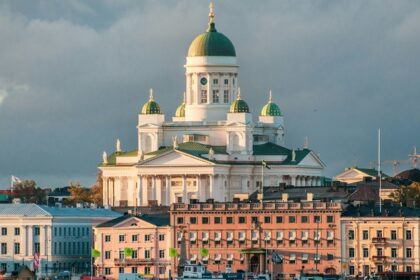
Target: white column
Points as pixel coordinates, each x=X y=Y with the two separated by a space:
x=168 y=190
x=144 y=194
x=30 y=235
x=117 y=190
x=154 y=187
x=24 y=240
x=104 y=190
x=139 y=191
x=159 y=190
x=293 y=180
x=131 y=191
x=211 y=186
x=198 y=187
x=184 y=190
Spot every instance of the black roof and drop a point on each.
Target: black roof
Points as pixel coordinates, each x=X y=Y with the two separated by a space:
x=155 y=219
x=412 y=174
x=388 y=210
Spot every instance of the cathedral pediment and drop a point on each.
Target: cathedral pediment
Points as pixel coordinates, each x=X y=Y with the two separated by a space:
x=311 y=159
x=176 y=158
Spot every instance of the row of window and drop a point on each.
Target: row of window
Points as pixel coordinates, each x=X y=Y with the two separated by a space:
x=255 y=219
x=135 y=237
x=4 y=231
x=379 y=268
x=216 y=98
x=379 y=234
x=71 y=231
x=71 y=248
x=134 y=269
x=380 y=252
x=16 y=248
x=134 y=255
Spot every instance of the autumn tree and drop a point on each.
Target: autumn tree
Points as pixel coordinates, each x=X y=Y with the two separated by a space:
x=78 y=193
x=96 y=190
x=28 y=192
x=406 y=193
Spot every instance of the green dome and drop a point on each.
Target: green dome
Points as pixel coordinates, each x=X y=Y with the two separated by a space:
x=270 y=109
x=239 y=105
x=180 y=111
x=150 y=107
x=211 y=43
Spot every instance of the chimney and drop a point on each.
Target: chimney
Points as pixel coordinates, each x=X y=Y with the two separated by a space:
x=284 y=197
x=309 y=196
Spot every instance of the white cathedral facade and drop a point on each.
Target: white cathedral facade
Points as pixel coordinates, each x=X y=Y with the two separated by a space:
x=213 y=147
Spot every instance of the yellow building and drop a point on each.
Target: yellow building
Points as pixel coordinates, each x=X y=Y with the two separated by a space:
x=134 y=244
x=376 y=242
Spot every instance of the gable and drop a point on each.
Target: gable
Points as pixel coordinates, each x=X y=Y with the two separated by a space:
x=176 y=158
x=311 y=160
x=134 y=222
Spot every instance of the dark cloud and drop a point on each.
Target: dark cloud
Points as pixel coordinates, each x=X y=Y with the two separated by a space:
x=74 y=74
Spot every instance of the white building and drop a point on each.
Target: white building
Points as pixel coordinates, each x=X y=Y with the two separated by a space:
x=61 y=236
x=213 y=147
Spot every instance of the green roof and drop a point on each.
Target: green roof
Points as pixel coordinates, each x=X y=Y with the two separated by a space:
x=270 y=109
x=150 y=107
x=239 y=106
x=112 y=158
x=211 y=43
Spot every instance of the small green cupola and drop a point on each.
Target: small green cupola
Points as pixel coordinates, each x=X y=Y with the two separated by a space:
x=211 y=42
x=180 y=111
x=150 y=107
x=271 y=109
x=239 y=105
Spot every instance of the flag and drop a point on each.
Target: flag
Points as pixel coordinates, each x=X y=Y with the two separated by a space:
x=204 y=252
x=128 y=252
x=36 y=261
x=173 y=252
x=95 y=253
x=265 y=165
x=276 y=258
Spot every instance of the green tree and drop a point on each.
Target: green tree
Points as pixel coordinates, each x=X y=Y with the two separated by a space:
x=406 y=193
x=28 y=192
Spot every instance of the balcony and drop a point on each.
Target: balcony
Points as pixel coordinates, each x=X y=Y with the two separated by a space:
x=379 y=240
x=124 y=262
x=378 y=259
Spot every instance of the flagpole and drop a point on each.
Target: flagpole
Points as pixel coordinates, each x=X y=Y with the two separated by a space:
x=262 y=179
x=379 y=170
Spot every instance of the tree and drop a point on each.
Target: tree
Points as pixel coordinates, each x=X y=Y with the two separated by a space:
x=28 y=192
x=96 y=190
x=78 y=193
x=406 y=193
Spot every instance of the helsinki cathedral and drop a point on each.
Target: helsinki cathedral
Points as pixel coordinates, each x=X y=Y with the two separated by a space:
x=213 y=147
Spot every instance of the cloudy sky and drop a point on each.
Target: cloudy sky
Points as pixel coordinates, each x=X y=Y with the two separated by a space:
x=74 y=75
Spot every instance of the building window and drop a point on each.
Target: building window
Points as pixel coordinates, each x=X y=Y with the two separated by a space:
x=226 y=81
x=365 y=252
x=267 y=219
x=36 y=231
x=408 y=268
x=380 y=268
x=107 y=255
x=161 y=237
x=3 y=248
x=147 y=237
x=254 y=220
x=394 y=268
x=330 y=219
x=365 y=235
x=121 y=270
x=205 y=220
x=107 y=238
x=379 y=251
x=351 y=270
x=317 y=219
x=408 y=235
x=351 y=234
x=330 y=257
x=304 y=219
x=17 y=231
x=279 y=219
x=379 y=233
x=162 y=270
x=226 y=96
x=180 y=220
x=147 y=254
x=229 y=220
x=242 y=220
x=37 y=247
x=147 y=270
x=107 y=271
x=134 y=269
x=134 y=254
x=17 y=248
x=3 y=231
x=215 y=96
x=203 y=96
x=351 y=252
x=121 y=238
x=408 y=253
x=393 y=252
x=162 y=254
x=217 y=220
x=292 y=219
x=393 y=235
x=193 y=220
x=134 y=237
x=215 y=81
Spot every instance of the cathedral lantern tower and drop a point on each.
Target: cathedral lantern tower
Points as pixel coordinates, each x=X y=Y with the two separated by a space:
x=211 y=75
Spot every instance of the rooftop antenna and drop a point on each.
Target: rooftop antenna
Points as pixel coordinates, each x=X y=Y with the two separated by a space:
x=414 y=157
x=379 y=170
